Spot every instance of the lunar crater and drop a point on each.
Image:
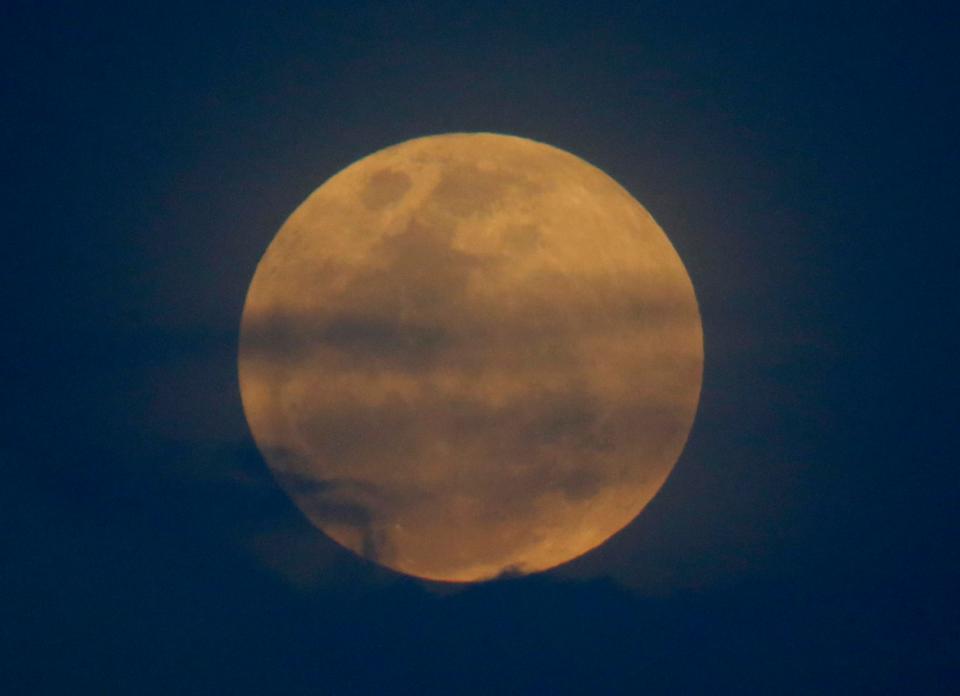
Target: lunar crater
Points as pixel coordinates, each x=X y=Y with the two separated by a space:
x=385 y=188
x=467 y=189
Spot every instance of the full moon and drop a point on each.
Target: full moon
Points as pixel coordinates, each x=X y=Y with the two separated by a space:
x=470 y=355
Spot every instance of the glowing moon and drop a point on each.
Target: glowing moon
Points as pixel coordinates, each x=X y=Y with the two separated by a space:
x=470 y=354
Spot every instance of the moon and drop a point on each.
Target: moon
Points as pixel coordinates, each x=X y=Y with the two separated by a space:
x=470 y=355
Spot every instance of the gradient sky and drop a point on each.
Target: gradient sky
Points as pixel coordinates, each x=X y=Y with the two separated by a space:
x=800 y=160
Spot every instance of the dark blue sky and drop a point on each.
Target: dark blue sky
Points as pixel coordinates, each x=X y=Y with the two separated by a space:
x=801 y=159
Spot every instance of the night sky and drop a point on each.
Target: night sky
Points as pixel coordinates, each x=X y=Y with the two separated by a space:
x=801 y=159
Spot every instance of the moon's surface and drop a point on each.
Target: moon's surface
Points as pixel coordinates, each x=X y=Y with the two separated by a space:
x=470 y=354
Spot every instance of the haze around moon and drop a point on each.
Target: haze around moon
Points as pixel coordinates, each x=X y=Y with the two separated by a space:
x=470 y=354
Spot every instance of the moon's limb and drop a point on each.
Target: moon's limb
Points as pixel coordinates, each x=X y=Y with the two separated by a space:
x=470 y=354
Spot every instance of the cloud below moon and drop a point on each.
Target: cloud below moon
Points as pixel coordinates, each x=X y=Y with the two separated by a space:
x=469 y=354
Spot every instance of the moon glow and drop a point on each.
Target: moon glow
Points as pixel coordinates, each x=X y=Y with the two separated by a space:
x=470 y=354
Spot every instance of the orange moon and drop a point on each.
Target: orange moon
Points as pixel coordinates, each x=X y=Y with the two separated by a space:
x=470 y=354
